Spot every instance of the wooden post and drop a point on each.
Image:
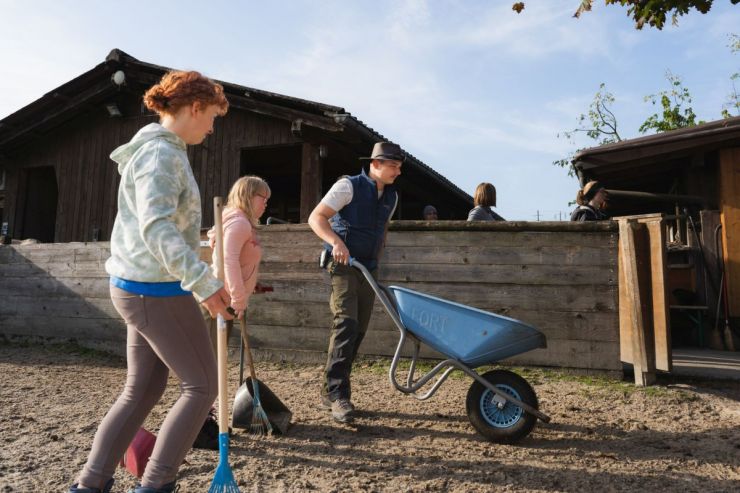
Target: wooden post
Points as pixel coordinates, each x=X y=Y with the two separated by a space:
x=636 y=300
x=659 y=289
x=311 y=173
x=729 y=188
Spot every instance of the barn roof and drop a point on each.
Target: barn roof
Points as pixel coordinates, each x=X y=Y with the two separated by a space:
x=95 y=86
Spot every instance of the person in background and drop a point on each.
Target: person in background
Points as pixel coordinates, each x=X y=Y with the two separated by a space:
x=156 y=276
x=484 y=199
x=352 y=219
x=592 y=200
x=430 y=213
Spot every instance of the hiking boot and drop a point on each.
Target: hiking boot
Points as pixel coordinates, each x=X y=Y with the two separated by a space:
x=341 y=410
x=106 y=489
x=325 y=403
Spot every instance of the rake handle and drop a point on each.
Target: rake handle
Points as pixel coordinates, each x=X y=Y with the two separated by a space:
x=245 y=341
x=221 y=328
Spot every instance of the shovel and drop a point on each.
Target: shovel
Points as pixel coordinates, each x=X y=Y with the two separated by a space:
x=278 y=413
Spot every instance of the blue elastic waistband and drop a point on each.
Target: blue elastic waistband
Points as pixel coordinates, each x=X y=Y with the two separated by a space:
x=156 y=289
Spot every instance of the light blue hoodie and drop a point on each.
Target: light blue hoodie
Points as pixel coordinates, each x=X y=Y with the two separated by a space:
x=156 y=235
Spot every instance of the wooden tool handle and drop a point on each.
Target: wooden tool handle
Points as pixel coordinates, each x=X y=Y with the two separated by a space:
x=245 y=340
x=221 y=328
x=218 y=221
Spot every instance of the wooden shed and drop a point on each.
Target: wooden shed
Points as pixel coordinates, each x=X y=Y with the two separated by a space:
x=691 y=177
x=57 y=183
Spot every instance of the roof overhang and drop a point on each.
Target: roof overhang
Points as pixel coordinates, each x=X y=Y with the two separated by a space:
x=635 y=154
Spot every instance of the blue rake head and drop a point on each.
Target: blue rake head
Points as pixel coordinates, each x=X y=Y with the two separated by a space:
x=223 y=480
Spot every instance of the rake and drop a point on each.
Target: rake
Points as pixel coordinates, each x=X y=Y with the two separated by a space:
x=260 y=422
x=223 y=480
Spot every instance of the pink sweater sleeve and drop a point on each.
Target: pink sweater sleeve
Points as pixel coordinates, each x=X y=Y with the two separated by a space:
x=237 y=232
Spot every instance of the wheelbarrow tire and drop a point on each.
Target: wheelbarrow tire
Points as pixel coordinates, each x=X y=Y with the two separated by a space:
x=509 y=424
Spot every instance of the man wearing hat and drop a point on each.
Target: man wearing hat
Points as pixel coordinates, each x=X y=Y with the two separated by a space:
x=352 y=219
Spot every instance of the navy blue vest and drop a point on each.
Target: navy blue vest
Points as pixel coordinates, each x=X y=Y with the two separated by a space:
x=361 y=223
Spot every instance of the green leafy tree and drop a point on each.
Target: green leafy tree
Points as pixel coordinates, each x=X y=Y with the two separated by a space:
x=732 y=105
x=650 y=12
x=676 y=110
x=599 y=125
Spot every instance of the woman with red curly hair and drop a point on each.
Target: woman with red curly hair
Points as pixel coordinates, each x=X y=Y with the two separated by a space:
x=156 y=277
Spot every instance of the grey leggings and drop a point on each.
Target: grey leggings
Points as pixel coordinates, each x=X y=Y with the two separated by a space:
x=163 y=334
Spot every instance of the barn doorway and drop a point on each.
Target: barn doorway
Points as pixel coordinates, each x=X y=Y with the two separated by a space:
x=40 y=205
x=281 y=167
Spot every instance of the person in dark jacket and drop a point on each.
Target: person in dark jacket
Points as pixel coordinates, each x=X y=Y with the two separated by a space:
x=484 y=199
x=591 y=200
x=352 y=219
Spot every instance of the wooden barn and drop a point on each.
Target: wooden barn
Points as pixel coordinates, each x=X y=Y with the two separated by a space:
x=689 y=179
x=57 y=183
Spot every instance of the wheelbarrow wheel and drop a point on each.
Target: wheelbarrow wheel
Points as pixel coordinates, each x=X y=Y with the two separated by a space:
x=509 y=423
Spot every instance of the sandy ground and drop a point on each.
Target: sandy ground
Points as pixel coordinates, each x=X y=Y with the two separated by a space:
x=604 y=435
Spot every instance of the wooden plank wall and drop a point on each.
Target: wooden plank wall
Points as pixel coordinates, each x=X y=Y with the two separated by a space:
x=59 y=291
x=87 y=179
x=559 y=277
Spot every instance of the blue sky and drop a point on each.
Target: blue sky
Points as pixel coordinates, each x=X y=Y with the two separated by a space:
x=474 y=90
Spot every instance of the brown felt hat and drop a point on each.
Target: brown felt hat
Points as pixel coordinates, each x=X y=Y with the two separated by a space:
x=386 y=151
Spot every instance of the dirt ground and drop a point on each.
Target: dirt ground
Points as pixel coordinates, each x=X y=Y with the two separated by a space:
x=604 y=435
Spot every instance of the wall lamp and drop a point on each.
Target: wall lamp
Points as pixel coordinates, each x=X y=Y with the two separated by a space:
x=118 y=77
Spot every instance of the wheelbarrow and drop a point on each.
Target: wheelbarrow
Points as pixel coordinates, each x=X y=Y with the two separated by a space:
x=500 y=404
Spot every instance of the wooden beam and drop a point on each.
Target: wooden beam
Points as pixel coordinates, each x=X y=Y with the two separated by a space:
x=635 y=296
x=651 y=258
x=659 y=289
x=245 y=103
x=729 y=191
x=311 y=173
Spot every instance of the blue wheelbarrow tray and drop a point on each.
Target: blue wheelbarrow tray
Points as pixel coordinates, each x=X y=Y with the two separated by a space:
x=472 y=336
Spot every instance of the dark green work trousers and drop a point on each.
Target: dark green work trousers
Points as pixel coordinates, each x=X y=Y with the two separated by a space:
x=351 y=305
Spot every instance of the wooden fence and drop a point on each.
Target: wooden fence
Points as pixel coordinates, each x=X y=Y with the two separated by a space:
x=559 y=277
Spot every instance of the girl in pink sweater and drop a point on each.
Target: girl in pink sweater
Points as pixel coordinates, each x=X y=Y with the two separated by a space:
x=245 y=205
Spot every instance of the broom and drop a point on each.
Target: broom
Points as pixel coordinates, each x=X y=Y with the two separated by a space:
x=260 y=422
x=223 y=480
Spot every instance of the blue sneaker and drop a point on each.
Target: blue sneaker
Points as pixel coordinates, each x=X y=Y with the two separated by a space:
x=106 y=489
x=167 y=488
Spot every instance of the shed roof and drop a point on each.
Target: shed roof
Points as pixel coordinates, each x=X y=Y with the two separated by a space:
x=649 y=154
